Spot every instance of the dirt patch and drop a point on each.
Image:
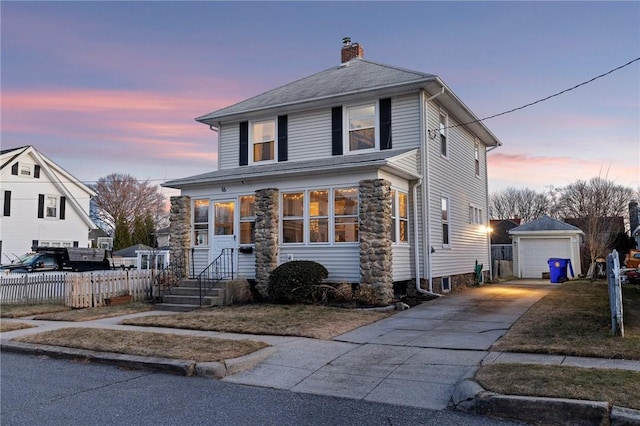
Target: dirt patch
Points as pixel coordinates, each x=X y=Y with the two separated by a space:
x=18 y=311
x=90 y=314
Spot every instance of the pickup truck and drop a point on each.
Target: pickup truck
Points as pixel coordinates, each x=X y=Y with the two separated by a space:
x=47 y=259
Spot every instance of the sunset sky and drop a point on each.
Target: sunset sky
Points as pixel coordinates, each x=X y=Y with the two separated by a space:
x=105 y=87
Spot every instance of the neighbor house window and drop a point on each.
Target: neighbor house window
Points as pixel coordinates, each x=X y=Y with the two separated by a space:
x=319 y=216
x=361 y=126
x=263 y=137
x=443 y=134
x=476 y=154
x=201 y=222
x=444 y=202
x=293 y=217
x=400 y=217
x=247 y=219
x=345 y=211
x=51 y=209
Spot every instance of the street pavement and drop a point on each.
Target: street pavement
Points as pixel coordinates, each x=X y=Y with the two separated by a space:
x=415 y=358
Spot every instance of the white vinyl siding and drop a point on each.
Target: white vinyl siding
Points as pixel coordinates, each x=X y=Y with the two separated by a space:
x=229 y=146
x=340 y=260
x=310 y=135
x=405 y=121
x=455 y=176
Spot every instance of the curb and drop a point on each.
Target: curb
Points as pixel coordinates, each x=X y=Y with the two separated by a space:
x=469 y=396
x=216 y=370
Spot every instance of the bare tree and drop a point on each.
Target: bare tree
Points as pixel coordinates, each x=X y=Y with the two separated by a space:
x=524 y=203
x=594 y=204
x=121 y=198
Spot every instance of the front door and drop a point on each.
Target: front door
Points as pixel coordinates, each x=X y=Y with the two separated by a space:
x=224 y=235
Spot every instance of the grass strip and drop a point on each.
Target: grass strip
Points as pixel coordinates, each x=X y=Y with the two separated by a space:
x=11 y=326
x=90 y=314
x=575 y=320
x=162 y=345
x=18 y=311
x=618 y=387
x=319 y=322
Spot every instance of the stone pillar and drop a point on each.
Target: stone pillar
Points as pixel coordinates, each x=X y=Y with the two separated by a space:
x=180 y=231
x=266 y=237
x=375 y=238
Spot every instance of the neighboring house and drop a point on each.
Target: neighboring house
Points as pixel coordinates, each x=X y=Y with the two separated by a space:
x=140 y=256
x=377 y=172
x=43 y=204
x=100 y=239
x=536 y=242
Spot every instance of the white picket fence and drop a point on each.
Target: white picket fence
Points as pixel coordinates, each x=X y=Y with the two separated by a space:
x=75 y=289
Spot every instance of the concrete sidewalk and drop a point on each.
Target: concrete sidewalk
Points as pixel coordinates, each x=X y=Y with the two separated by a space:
x=422 y=357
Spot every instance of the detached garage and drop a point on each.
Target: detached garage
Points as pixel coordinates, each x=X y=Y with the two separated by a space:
x=534 y=243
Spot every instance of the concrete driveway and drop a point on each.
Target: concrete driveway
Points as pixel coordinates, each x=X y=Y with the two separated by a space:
x=413 y=358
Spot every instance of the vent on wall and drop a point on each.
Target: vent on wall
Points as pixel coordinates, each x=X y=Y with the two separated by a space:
x=446 y=284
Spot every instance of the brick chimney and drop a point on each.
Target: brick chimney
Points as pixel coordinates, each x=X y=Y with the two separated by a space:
x=350 y=50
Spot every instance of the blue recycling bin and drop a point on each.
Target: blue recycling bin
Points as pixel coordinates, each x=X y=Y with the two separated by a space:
x=558 y=269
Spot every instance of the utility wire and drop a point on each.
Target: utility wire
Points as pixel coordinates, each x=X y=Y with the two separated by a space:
x=548 y=97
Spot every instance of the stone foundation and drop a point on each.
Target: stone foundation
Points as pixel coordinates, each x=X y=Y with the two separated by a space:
x=375 y=239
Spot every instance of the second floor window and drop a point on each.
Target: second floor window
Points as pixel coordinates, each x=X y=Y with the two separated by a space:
x=361 y=126
x=52 y=207
x=443 y=135
x=445 y=221
x=476 y=153
x=263 y=137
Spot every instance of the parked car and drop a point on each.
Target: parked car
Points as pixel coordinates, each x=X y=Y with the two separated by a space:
x=46 y=259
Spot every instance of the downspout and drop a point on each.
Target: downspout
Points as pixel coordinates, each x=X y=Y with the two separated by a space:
x=417 y=244
x=426 y=189
x=486 y=187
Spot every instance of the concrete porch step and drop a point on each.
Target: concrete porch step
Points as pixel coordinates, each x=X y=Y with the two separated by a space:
x=192 y=300
x=175 y=307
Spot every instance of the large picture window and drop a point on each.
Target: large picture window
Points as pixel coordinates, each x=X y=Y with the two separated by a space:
x=293 y=217
x=345 y=215
x=201 y=222
x=361 y=122
x=263 y=136
x=247 y=219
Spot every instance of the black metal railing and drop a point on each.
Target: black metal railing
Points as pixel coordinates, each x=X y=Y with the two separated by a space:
x=170 y=276
x=221 y=268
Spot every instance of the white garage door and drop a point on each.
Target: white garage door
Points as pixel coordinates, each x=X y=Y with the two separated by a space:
x=535 y=252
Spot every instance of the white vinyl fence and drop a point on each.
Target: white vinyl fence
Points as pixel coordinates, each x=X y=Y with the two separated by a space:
x=75 y=289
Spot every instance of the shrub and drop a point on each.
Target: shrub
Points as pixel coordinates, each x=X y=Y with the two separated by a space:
x=298 y=281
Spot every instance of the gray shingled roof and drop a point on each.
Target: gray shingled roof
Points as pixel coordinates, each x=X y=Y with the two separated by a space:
x=354 y=76
x=544 y=223
x=379 y=159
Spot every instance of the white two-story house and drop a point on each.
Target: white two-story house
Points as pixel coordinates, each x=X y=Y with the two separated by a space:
x=377 y=172
x=43 y=205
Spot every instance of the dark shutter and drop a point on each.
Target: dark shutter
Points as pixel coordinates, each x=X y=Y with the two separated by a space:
x=385 y=123
x=7 y=203
x=283 y=138
x=34 y=244
x=63 y=207
x=244 y=143
x=336 y=131
x=14 y=169
x=36 y=172
x=40 y=206
x=75 y=244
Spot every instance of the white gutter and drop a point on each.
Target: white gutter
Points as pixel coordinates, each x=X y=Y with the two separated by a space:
x=426 y=192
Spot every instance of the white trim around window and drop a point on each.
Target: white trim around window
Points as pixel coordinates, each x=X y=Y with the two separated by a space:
x=360 y=121
x=476 y=155
x=51 y=206
x=443 y=131
x=263 y=141
x=399 y=217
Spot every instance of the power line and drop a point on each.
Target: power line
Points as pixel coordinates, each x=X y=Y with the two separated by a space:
x=548 y=97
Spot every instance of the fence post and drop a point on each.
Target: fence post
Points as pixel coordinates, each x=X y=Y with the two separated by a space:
x=615 y=294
